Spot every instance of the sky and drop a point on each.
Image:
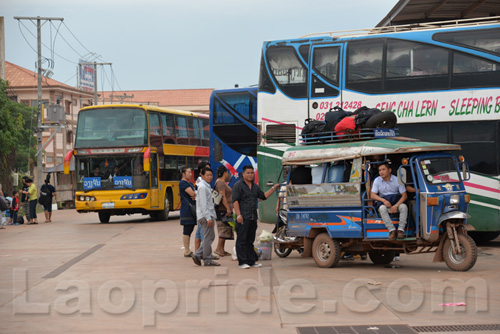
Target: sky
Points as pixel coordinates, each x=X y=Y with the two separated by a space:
x=171 y=44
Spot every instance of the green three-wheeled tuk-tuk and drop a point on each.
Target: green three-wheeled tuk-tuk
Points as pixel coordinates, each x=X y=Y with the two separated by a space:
x=326 y=207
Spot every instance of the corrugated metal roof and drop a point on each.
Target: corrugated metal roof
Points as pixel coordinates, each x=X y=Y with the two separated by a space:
x=418 y=11
x=163 y=97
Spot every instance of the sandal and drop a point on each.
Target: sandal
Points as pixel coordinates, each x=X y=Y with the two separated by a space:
x=212 y=264
x=215 y=258
x=219 y=253
x=227 y=254
x=189 y=255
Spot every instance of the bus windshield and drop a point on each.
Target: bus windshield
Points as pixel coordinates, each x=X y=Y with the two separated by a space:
x=111 y=172
x=112 y=128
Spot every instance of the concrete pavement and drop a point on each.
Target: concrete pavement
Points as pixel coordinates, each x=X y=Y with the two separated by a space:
x=75 y=275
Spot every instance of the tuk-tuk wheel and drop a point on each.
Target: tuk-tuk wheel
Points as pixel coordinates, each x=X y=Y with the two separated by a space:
x=466 y=259
x=326 y=251
x=381 y=257
x=282 y=251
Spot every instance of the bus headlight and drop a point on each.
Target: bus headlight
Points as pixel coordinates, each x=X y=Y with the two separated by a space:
x=455 y=199
x=82 y=198
x=87 y=198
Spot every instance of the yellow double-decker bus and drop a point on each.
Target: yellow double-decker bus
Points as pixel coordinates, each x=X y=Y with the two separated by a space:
x=127 y=158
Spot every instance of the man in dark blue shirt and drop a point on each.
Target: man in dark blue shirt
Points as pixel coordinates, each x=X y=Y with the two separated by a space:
x=245 y=196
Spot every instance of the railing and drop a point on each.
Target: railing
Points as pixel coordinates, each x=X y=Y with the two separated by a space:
x=409 y=27
x=334 y=137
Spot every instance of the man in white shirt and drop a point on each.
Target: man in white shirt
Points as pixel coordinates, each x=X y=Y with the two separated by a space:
x=387 y=190
x=205 y=213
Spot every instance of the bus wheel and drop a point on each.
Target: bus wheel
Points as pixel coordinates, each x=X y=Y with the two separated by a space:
x=483 y=237
x=163 y=215
x=386 y=119
x=466 y=259
x=326 y=251
x=381 y=257
x=281 y=251
x=104 y=217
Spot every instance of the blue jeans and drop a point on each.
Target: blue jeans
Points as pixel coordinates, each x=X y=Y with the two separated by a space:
x=199 y=232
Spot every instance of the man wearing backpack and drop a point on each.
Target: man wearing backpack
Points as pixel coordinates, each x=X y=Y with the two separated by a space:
x=47 y=191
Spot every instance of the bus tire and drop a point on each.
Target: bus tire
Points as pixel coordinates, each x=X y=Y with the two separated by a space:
x=326 y=251
x=163 y=214
x=104 y=217
x=381 y=257
x=386 y=119
x=483 y=237
x=464 y=261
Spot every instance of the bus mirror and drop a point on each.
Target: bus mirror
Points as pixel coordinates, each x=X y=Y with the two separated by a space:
x=465 y=171
x=402 y=176
x=146 y=160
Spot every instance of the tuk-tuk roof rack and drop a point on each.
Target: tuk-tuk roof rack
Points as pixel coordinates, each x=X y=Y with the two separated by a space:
x=334 y=137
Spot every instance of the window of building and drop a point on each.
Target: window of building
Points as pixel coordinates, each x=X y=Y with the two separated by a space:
x=364 y=65
x=67 y=107
x=49 y=159
x=59 y=160
x=415 y=66
x=69 y=137
x=288 y=71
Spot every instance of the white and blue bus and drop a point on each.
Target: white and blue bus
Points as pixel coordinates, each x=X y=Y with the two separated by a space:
x=234 y=133
x=441 y=80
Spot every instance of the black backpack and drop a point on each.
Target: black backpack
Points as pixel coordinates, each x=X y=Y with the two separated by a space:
x=364 y=115
x=334 y=116
x=313 y=126
x=45 y=196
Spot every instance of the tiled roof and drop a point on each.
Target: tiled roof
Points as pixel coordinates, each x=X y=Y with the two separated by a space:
x=164 y=98
x=19 y=77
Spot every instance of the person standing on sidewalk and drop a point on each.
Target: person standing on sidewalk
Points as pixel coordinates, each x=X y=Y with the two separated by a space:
x=245 y=196
x=224 y=210
x=205 y=213
x=33 y=200
x=14 y=207
x=188 y=198
x=50 y=192
x=25 y=198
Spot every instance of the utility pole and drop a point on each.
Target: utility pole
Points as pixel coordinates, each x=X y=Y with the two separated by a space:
x=95 y=79
x=39 y=129
x=2 y=49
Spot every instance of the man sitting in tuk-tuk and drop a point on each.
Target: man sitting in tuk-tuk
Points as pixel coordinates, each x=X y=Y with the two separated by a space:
x=390 y=197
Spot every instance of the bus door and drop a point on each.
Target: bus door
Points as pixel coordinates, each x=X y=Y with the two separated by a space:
x=155 y=202
x=324 y=71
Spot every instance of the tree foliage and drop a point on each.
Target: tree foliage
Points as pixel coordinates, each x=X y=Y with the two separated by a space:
x=17 y=126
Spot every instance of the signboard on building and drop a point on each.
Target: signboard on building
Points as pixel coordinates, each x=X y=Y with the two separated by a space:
x=87 y=75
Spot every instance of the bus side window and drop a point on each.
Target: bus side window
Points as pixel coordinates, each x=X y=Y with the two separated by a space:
x=364 y=65
x=181 y=130
x=154 y=130
x=194 y=131
x=168 y=126
x=205 y=131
